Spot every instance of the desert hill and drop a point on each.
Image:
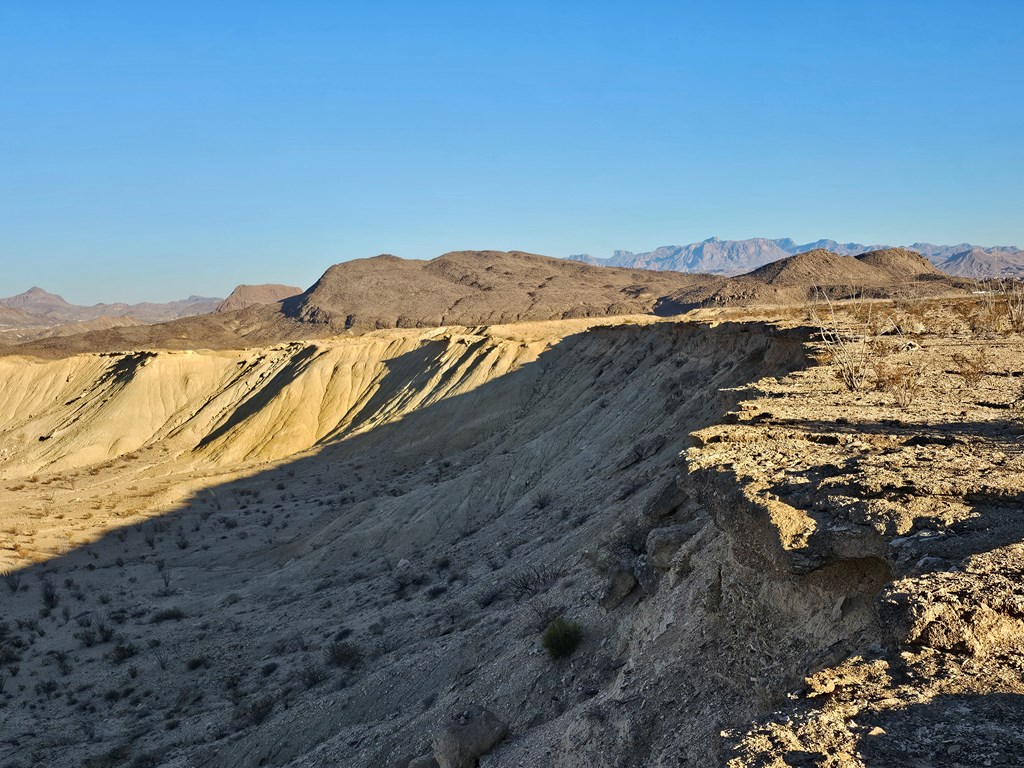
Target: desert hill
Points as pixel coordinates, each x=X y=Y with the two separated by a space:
x=18 y=326
x=797 y=279
x=13 y=316
x=246 y=295
x=476 y=288
x=459 y=288
x=493 y=287
x=736 y=257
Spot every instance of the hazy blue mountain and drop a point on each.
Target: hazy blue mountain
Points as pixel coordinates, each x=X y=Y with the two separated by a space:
x=984 y=262
x=39 y=302
x=735 y=257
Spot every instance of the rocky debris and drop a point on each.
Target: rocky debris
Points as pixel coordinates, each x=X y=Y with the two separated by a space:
x=665 y=504
x=911 y=510
x=619 y=586
x=474 y=732
x=426 y=761
x=664 y=543
x=644 y=449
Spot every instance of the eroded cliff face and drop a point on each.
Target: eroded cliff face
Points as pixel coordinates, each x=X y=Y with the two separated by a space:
x=917 y=495
x=767 y=568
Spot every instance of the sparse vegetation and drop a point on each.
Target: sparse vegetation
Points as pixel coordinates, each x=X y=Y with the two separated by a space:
x=972 y=367
x=123 y=651
x=534 y=580
x=254 y=712
x=343 y=654
x=850 y=353
x=312 y=674
x=168 y=614
x=561 y=638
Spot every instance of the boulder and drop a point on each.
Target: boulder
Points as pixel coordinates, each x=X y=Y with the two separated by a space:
x=644 y=449
x=473 y=733
x=664 y=543
x=666 y=503
x=620 y=583
x=427 y=761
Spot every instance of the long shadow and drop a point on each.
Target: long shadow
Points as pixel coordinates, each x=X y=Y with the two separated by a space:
x=958 y=731
x=953 y=515
x=178 y=630
x=1008 y=433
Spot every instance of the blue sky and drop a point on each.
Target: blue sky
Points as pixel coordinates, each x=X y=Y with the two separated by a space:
x=153 y=150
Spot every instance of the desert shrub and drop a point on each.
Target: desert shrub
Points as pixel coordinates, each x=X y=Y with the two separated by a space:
x=535 y=580
x=49 y=594
x=195 y=663
x=106 y=631
x=848 y=353
x=542 y=614
x=122 y=652
x=972 y=368
x=13 y=580
x=311 y=675
x=1013 y=292
x=488 y=596
x=260 y=708
x=343 y=654
x=168 y=614
x=903 y=380
x=87 y=636
x=561 y=638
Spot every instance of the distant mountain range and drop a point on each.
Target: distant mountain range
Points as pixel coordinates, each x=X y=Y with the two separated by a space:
x=736 y=257
x=474 y=288
x=36 y=301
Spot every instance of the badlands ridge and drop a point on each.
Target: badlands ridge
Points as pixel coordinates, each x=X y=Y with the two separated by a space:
x=333 y=529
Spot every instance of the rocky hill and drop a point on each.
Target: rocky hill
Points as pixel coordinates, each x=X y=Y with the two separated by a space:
x=476 y=287
x=801 y=278
x=495 y=287
x=247 y=295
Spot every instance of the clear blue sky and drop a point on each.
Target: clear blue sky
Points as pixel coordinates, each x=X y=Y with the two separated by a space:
x=149 y=150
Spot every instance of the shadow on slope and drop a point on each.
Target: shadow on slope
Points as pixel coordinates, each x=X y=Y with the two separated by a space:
x=958 y=731
x=339 y=605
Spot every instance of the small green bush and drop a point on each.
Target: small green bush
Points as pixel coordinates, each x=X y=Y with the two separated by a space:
x=562 y=637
